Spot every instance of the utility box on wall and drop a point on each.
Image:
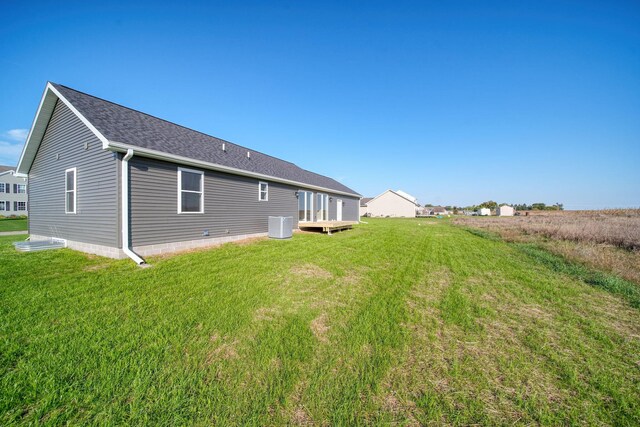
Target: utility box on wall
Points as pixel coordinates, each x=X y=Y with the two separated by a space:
x=280 y=227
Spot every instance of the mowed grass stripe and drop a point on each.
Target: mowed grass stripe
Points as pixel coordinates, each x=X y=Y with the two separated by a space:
x=493 y=328
x=13 y=224
x=396 y=321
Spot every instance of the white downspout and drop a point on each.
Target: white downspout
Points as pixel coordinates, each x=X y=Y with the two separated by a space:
x=125 y=209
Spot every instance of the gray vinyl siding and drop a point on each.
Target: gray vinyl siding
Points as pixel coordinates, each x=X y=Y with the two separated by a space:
x=231 y=205
x=351 y=209
x=348 y=212
x=96 y=217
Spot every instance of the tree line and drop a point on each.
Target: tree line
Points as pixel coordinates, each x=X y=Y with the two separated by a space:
x=539 y=206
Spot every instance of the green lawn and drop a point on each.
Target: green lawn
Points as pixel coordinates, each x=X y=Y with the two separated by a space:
x=405 y=321
x=18 y=224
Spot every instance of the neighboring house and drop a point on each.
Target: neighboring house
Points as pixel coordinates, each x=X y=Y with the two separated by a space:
x=115 y=181
x=13 y=192
x=484 y=211
x=391 y=203
x=439 y=210
x=433 y=210
x=363 y=205
x=505 y=211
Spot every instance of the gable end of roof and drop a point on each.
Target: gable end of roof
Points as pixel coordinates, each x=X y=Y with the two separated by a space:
x=121 y=128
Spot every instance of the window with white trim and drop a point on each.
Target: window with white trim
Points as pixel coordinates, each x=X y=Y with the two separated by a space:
x=1 y=204
x=19 y=206
x=70 y=200
x=190 y=191
x=1 y=187
x=263 y=191
x=7 y=206
x=21 y=188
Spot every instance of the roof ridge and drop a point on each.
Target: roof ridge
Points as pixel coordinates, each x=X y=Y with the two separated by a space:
x=153 y=132
x=415 y=202
x=175 y=124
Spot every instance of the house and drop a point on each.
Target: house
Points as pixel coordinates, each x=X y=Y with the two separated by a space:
x=392 y=203
x=484 y=211
x=439 y=210
x=505 y=211
x=13 y=192
x=363 y=205
x=432 y=210
x=117 y=182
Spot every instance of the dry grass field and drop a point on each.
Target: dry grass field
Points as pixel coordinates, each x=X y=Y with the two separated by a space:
x=605 y=239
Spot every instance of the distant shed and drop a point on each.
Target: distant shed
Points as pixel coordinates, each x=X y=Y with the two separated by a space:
x=484 y=211
x=505 y=211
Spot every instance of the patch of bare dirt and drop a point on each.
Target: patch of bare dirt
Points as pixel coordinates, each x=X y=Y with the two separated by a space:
x=535 y=312
x=224 y=351
x=392 y=404
x=351 y=278
x=320 y=328
x=311 y=270
x=299 y=417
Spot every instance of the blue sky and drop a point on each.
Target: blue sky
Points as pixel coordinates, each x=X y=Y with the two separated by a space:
x=455 y=102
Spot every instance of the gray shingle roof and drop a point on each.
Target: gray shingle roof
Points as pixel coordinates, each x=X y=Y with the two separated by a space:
x=365 y=200
x=6 y=168
x=122 y=124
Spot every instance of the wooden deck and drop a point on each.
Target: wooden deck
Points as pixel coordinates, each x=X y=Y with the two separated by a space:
x=328 y=226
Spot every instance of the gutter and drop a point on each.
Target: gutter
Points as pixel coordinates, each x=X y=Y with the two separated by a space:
x=159 y=155
x=125 y=209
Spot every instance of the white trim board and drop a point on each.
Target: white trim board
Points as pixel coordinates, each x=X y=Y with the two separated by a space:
x=40 y=123
x=161 y=155
x=180 y=190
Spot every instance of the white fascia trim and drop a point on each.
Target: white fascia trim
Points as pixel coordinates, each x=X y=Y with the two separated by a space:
x=33 y=125
x=408 y=200
x=6 y=172
x=49 y=89
x=391 y=191
x=101 y=137
x=154 y=154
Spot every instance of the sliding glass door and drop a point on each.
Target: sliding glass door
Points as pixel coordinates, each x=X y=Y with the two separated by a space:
x=305 y=206
x=322 y=207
